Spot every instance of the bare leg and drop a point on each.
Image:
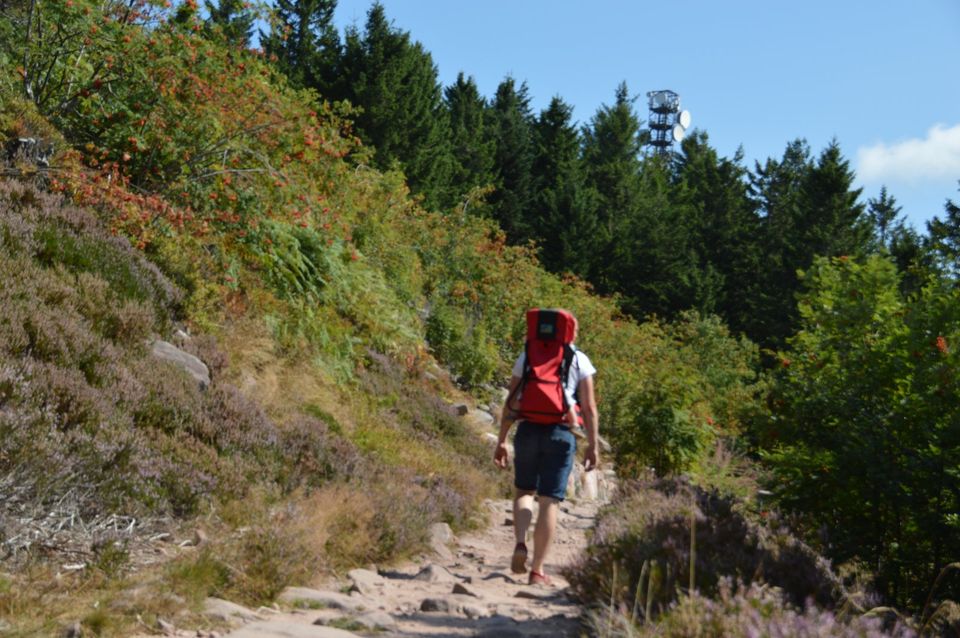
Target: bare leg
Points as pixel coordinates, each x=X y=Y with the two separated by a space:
x=522 y=514
x=544 y=531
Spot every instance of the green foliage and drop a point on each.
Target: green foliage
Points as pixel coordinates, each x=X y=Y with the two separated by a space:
x=465 y=348
x=511 y=129
x=394 y=82
x=945 y=239
x=564 y=210
x=688 y=384
x=231 y=20
x=471 y=144
x=304 y=42
x=863 y=430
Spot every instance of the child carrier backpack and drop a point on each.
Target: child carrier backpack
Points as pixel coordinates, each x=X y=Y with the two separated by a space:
x=549 y=354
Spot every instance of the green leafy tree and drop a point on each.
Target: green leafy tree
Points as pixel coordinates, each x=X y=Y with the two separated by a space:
x=564 y=208
x=305 y=43
x=233 y=19
x=511 y=129
x=864 y=433
x=471 y=146
x=394 y=82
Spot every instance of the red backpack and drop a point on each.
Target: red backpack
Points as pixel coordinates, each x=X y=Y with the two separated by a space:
x=548 y=356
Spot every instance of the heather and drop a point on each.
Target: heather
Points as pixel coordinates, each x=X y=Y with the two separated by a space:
x=738 y=572
x=86 y=410
x=642 y=548
x=746 y=612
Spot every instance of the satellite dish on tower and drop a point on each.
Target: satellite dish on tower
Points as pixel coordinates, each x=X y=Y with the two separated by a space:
x=684 y=119
x=678 y=133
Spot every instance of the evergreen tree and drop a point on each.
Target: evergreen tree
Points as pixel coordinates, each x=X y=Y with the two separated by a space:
x=511 y=129
x=810 y=208
x=944 y=239
x=883 y=213
x=564 y=209
x=471 y=146
x=833 y=222
x=611 y=149
x=305 y=43
x=233 y=18
x=652 y=262
x=611 y=152
x=394 y=82
x=722 y=229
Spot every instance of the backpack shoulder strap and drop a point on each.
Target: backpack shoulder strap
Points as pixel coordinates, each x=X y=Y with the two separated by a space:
x=523 y=379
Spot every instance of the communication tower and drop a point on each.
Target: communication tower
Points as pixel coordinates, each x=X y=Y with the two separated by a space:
x=667 y=122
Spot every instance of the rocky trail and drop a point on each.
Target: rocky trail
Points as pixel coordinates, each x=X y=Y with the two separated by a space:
x=464 y=587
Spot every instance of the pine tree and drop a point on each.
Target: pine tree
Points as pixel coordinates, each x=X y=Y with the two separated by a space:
x=723 y=228
x=883 y=213
x=611 y=154
x=305 y=43
x=564 y=209
x=652 y=262
x=234 y=18
x=611 y=150
x=944 y=239
x=511 y=129
x=811 y=208
x=394 y=82
x=471 y=146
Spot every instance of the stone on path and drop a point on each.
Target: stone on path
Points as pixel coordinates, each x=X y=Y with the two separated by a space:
x=288 y=629
x=436 y=574
x=459 y=588
x=366 y=582
x=440 y=536
x=377 y=621
x=226 y=611
x=435 y=604
x=306 y=597
x=474 y=611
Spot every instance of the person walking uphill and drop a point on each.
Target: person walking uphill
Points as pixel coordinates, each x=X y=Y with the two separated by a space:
x=550 y=391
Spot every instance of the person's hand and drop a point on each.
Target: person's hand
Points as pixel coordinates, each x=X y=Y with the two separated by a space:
x=571 y=417
x=501 y=456
x=591 y=459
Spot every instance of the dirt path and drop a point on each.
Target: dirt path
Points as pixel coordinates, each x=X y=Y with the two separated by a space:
x=468 y=591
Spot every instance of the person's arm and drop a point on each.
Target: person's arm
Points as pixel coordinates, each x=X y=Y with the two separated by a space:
x=588 y=408
x=501 y=455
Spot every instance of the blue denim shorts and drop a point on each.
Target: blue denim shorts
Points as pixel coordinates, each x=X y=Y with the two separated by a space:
x=543 y=458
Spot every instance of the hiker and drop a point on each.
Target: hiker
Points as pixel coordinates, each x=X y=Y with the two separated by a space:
x=552 y=381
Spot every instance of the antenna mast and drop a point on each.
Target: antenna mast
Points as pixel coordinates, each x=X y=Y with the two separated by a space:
x=668 y=123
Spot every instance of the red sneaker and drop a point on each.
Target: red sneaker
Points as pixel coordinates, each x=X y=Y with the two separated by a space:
x=518 y=564
x=539 y=578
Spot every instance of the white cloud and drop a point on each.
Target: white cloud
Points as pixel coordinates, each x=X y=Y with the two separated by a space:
x=933 y=158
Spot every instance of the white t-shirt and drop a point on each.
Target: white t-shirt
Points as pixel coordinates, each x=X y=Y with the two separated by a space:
x=580 y=368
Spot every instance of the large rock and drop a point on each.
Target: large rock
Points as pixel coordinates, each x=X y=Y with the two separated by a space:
x=480 y=418
x=440 y=536
x=365 y=581
x=192 y=365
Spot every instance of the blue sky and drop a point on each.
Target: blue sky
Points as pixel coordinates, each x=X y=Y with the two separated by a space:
x=875 y=75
